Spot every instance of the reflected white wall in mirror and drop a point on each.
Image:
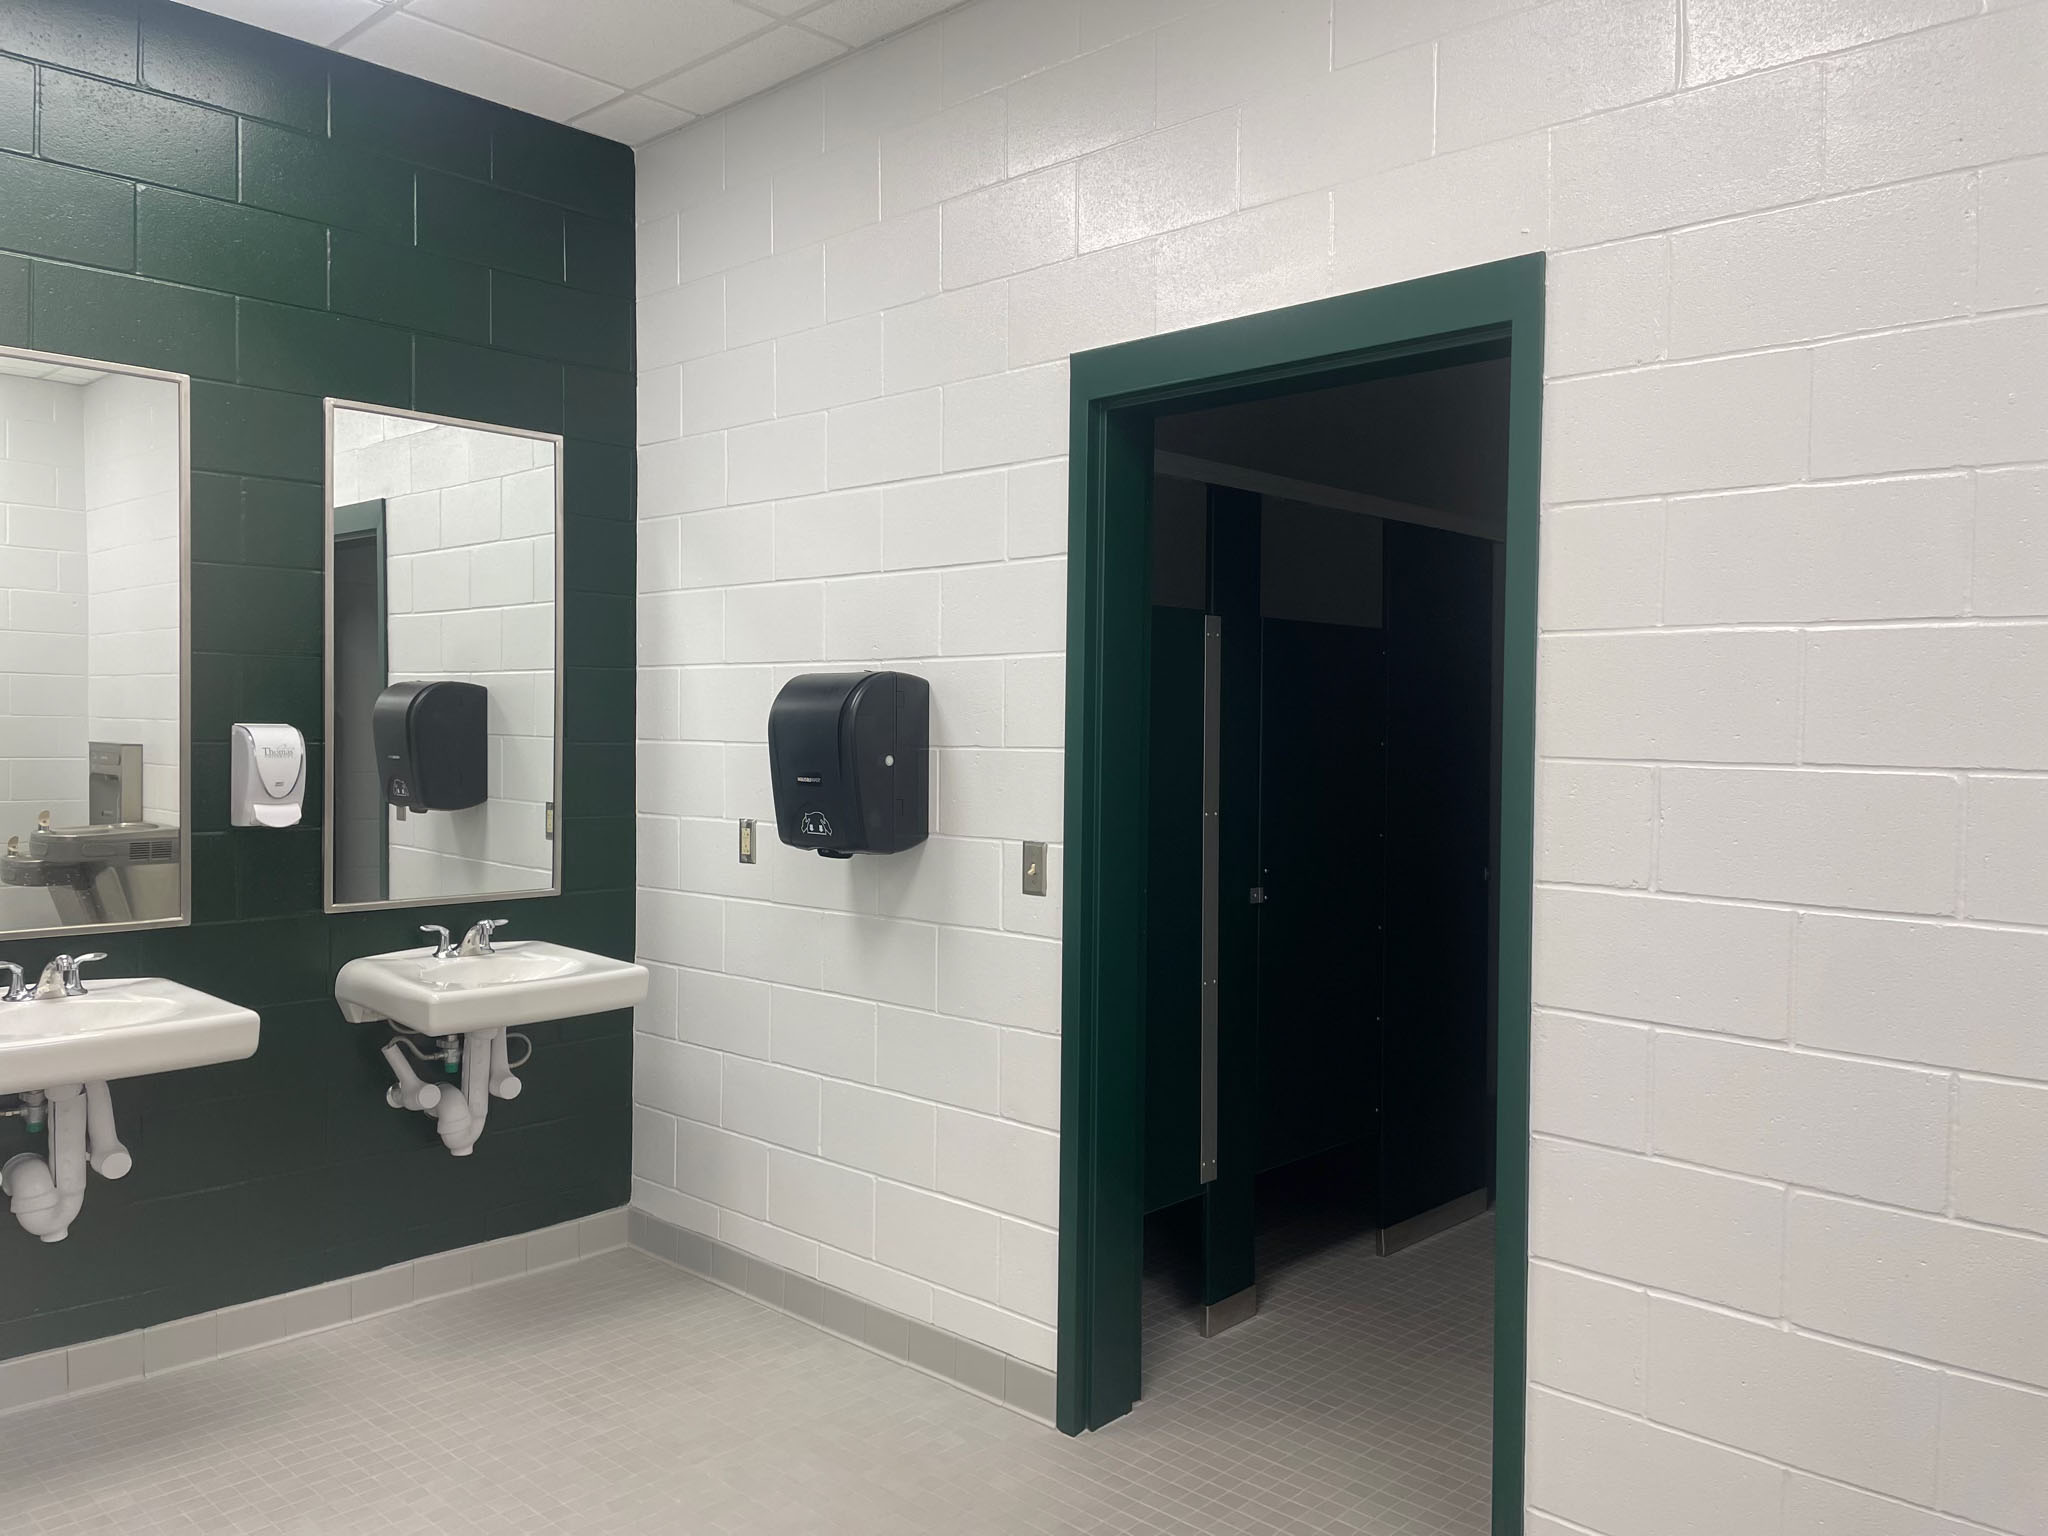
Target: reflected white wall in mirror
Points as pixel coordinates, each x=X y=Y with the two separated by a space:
x=93 y=769
x=443 y=567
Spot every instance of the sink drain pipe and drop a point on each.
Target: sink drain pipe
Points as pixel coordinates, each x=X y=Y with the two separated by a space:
x=45 y=1194
x=458 y=1115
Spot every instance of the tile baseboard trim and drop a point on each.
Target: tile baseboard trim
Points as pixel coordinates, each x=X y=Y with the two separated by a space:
x=961 y=1362
x=32 y=1380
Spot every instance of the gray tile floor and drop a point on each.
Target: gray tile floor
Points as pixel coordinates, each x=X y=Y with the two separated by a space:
x=624 y=1395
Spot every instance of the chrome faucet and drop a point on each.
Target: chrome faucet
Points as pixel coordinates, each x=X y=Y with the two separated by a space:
x=444 y=947
x=478 y=940
x=60 y=976
x=17 y=984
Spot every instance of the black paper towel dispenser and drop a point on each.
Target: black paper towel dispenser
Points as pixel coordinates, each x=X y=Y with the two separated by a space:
x=849 y=754
x=432 y=744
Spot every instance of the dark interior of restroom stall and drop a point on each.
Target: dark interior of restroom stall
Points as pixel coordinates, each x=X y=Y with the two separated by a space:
x=1356 y=658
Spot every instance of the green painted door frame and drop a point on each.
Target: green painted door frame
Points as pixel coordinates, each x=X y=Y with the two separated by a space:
x=1116 y=393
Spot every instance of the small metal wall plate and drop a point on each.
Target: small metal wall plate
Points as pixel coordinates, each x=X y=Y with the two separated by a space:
x=1034 y=869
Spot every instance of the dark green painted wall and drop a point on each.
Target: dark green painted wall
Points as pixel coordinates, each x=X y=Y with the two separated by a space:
x=283 y=223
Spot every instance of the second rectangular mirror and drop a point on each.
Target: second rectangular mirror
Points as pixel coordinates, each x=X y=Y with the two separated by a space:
x=443 y=659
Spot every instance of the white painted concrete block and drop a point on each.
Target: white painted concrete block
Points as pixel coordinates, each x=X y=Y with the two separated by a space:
x=1005 y=794
x=1608 y=306
x=832 y=365
x=828 y=535
x=1938 y=100
x=884 y=958
x=2012 y=235
x=1327 y=129
x=1705 y=965
x=884 y=1133
x=770 y=1103
x=1875 y=549
x=1695 y=697
x=1927 y=697
x=1099 y=298
x=1603 y=1471
x=819 y=1032
x=959 y=334
x=1686 y=1230
x=1677 y=427
x=821 y=1200
x=1087 y=103
x=1858 y=263
x=1597 y=823
x=2004 y=879
x=1000 y=1164
x=941 y=1240
x=1992 y=1469
x=1590 y=1080
x=1837 y=1410
x=1586 y=1336
x=1177 y=176
x=893 y=262
x=927 y=162
x=948 y=1061
x=1917 y=1285
x=2001 y=1154
x=2010 y=573
x=1854 y=1127
x=729 y=1171
x=1003 y=978
x=1640 y=169
x=1531 y=68
x=1010 y=227
x=1914 y=399
x=1880 y=841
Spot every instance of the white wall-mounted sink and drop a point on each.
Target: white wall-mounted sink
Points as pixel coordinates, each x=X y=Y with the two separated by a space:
x=119 y=1029
x=520 y=981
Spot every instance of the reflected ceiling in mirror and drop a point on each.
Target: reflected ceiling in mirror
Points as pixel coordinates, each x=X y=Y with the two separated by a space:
x=94 y=779
x=443 y=659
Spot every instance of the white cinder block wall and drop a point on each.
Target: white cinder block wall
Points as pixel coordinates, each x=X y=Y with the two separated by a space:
x=1791 y=1166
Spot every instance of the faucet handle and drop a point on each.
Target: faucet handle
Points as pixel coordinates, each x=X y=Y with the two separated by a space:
x=17 y=985
x=446 y=946
x=69 y=964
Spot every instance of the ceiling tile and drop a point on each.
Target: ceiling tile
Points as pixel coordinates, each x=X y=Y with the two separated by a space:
x=402 y=41
x=863 y=21
x=633 y=119
x=752 y=66
x=317 y=21
x=627 y=42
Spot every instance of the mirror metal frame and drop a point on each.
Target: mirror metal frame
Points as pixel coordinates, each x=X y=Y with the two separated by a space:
x=184 y=387
x=328 y=904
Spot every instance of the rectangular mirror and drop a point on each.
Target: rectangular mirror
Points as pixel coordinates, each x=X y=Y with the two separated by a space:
x=444 y=645
x=94 y=768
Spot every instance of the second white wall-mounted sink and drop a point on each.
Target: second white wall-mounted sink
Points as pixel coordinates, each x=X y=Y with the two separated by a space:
x=518 y=982
x=119 y=1029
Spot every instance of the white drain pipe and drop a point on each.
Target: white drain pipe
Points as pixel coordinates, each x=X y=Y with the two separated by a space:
x=45 y=1196
x=458 y=1116
x=103 y=1149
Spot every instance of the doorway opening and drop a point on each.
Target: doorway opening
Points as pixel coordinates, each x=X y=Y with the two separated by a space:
x=1301 y=667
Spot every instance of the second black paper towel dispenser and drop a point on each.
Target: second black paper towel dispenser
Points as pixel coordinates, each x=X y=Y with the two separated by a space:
x=849 y=754
x=433 y=744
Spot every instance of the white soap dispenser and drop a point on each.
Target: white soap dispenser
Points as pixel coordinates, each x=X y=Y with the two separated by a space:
x=267 y=775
